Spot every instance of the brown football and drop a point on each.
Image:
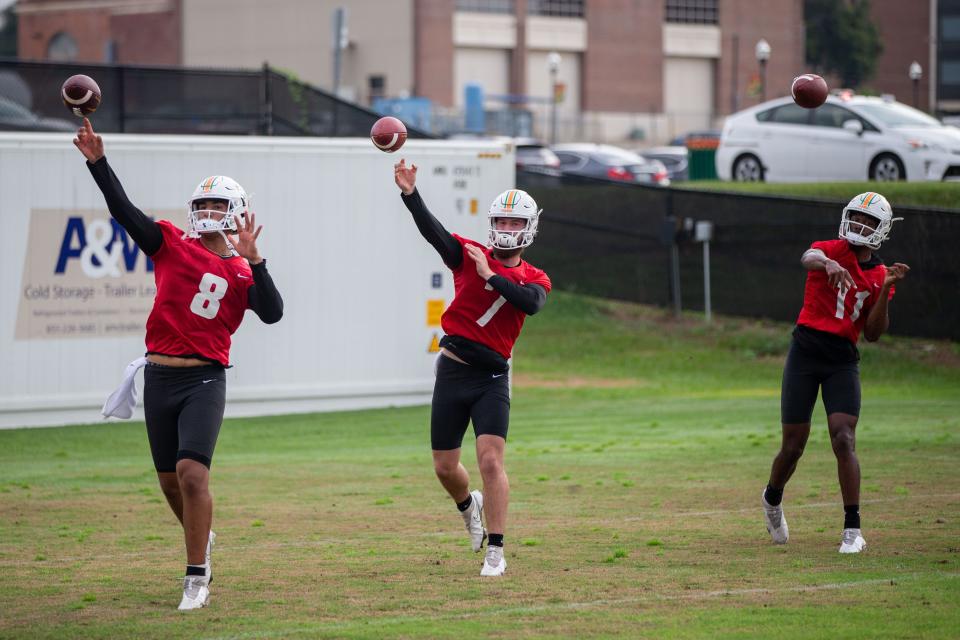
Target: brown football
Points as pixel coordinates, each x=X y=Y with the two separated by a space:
x=81 y=95
x=809 y=90
x=388 y=134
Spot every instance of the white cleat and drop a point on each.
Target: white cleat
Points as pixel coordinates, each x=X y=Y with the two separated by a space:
x=473 y=519
x=196 y=593
x=776 y=523
x=494 y=564
x=852 y=541
x=210 y=543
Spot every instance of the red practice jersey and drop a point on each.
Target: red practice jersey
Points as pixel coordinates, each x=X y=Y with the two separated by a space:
x=478 y=312
x=201 y=298
x=834 y=310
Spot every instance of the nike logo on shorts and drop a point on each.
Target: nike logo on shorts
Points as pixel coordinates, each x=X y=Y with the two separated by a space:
x=211 y=380
x=497 y=375
x=240 y=275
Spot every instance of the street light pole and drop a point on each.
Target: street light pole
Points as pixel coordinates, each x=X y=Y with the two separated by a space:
x=553 y=64
x=762 y=52
x=915 y=73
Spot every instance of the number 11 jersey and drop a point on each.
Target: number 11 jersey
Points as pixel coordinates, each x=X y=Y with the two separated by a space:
x=478 y=312
x=201 y=298
x=838 y=311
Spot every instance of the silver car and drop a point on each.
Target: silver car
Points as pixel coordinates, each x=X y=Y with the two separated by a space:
x=610 y=163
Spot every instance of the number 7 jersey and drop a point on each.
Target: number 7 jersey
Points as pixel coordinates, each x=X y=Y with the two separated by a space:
x=842 y=312
x=201 y=298
x=478 y=312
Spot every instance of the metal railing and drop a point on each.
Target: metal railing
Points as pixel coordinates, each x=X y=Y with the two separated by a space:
x=140 y=99
x=615 y=240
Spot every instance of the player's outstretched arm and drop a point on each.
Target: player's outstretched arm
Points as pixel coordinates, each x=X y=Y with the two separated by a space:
x=430 y=228
x=817 y=260
x=142 y=229
x=878 y=320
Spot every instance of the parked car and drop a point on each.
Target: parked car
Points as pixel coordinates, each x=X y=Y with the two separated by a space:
x=16 y=117
x=848 y=138
x=611 y=163
x=531 y=154
x=536 y=156
x=675 y=159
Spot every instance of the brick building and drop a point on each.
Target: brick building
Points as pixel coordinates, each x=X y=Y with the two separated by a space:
x=126 y=31
x=646 y=69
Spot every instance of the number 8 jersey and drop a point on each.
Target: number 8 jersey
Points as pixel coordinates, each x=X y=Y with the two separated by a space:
x=201 y=298
x=478 y=312
x=835 y=310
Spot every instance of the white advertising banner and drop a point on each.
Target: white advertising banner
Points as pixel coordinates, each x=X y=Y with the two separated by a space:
x=362 y=290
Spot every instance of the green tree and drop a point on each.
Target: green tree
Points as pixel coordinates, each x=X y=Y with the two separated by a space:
x=8 y=32
x=842 y=39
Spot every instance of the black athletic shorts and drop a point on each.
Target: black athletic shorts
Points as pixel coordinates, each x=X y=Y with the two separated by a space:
x=463 y=393
x=819 y=361
x=183 y=407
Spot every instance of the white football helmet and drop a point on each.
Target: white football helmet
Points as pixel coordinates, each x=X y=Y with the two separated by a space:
x=513 y=203
x=216 y=188
x=875 y=206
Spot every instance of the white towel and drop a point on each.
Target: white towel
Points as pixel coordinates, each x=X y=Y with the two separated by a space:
x=121 y=402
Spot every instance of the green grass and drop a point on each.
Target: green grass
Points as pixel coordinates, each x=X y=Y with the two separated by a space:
x=637 y=452
x=944 y=195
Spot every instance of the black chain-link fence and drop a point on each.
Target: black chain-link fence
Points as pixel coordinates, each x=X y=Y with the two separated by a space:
x=179 y=100
x=611 y=240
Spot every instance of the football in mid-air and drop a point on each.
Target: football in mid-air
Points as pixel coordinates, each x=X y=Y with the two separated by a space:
x=388 y=134
x=81 y=95
x=809 y=90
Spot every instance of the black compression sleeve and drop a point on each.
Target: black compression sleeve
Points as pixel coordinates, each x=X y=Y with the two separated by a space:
x=430 y=228
x=263 y=296
x=529 y=298
x=144 y=231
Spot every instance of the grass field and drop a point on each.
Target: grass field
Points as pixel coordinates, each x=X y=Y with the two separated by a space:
x=637 y=453
x=943 y=195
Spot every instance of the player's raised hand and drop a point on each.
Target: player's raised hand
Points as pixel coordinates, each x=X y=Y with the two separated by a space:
x=89 y=143
x=480 y=258
x=837 y=276
x=895 y=273
x=245 y=242
x=405 y=177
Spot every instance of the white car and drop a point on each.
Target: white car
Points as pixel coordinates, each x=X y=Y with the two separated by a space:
x=848 y=138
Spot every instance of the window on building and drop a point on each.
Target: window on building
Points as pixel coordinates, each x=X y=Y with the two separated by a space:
x=62 y=47
x=692 y=11
x=485 y=6
x=561 y=8
x=950 y=28
x=378 y=86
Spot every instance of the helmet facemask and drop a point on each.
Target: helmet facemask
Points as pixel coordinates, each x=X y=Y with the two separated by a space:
x=212 y=220
x=874 y=206
x=862 y=235
x=512 y=239
x=518 y=205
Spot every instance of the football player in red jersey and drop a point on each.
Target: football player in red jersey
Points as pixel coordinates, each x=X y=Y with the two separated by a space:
x=848 y=291
x=494 y=291
x=205 y=282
